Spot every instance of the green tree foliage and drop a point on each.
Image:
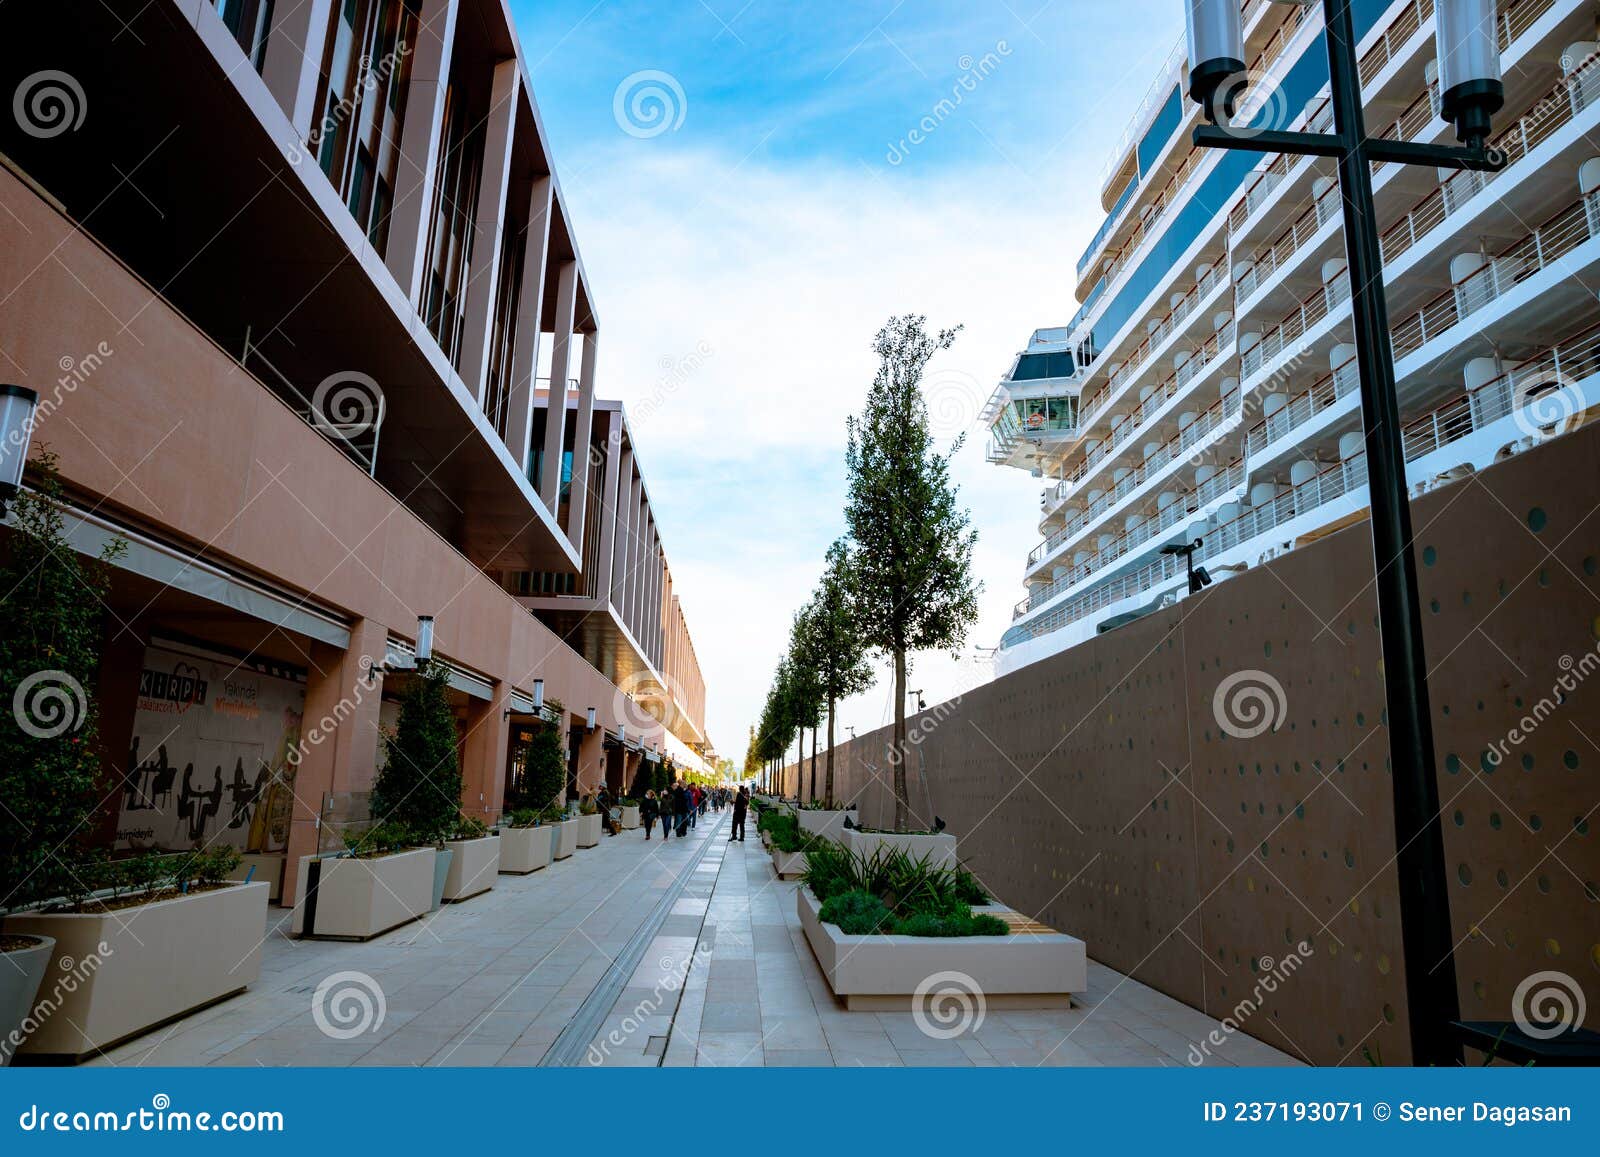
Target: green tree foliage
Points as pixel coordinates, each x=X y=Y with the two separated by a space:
x=834 y=646
x=545 y=769
x=419 y=787
x=913 y=558
x=49 y=658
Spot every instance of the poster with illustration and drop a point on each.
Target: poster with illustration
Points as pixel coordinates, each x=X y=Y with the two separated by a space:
x=213 y=754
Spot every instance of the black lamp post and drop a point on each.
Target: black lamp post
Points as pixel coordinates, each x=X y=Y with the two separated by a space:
x=1469 y=61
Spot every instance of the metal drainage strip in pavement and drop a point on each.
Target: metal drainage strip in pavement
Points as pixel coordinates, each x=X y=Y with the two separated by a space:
x=569 y=1048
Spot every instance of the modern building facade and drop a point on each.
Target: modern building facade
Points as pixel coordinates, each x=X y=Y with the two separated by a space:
x=293 y=282
x=1207 y=387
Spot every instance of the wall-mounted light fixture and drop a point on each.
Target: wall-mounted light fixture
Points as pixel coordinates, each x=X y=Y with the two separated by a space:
x=17 y=406
x=589 y=719
x=424 y=638
x=622 y=734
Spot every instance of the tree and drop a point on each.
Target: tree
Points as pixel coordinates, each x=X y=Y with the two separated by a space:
x=913 y=559
x=49 y=660
x=419 y=787
x=834 y=643
x=804 y=691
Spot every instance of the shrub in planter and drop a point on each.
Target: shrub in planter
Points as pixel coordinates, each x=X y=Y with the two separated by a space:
x=918 y=898
x=475 y=861
x=857 y=913
x=543 y=781
x=419 y=786
x=525 y=842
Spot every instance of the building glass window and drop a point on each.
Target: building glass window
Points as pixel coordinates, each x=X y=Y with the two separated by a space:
x=366 y=67
x=249 y=21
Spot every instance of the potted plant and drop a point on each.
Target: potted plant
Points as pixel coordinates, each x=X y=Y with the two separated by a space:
x=474 y=860
x=933 y=844
x=419 y=786
x=630 y=813
x=149 y=938
x=588 y=822
x=380 y=880
x=788 y=844
x=882 y=926
x=543 y=784
x=525 y=843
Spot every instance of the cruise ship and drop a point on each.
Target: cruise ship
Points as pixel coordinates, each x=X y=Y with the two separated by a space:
x=1207 y=387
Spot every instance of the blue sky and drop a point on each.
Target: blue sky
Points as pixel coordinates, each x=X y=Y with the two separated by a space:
x=743 y=255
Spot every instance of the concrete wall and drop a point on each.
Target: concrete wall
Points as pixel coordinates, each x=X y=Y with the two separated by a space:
x=1097 y=789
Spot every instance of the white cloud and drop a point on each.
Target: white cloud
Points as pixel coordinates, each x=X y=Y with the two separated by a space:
x=779 y=276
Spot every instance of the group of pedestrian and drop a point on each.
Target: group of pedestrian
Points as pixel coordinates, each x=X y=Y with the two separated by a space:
x=680 y=807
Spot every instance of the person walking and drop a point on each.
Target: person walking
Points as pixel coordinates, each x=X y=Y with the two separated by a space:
x=664 y=804
x=741 y=802
x=648 y=809
x=682 y=808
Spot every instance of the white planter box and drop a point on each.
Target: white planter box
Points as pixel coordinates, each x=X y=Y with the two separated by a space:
x=268 y=870
x=788 y=865
x=159 y=962
x=939 y=850
x=1031 y=970
x=630 y=817
x=827 y=824
x=588 y=830
x=358 y=899
x=524 y=850
x=474 y=868
x=566 y=839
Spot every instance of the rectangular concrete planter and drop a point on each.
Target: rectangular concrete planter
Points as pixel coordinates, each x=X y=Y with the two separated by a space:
x=788 y=865
x=939 y=850
x=566 y=839
x=524 y=850
x=359 y=899
x=159 y=962
x=588 y=830
x=1031 y=970
x=827 y=824
x=473 y=869
x=268 y=868
x=630 y=817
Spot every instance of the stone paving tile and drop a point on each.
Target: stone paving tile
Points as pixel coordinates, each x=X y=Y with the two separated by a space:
x=492 y=980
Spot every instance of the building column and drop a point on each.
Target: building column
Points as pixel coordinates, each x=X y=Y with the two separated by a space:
x=591 y=761
x=293 y=64
x=488 y=225
x=419 y=146
x=483 y=755
x=578 y=509
x=338 y=736
x=555 y=420
x=616 y=567
x=603 y=585
x=530 y=316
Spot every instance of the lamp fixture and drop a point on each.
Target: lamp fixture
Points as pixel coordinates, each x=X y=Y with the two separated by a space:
x=538 y=695
x=589 y=719
x=424 y=638
x=17 y=407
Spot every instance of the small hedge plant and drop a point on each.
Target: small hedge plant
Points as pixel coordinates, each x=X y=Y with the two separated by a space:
x=891 y=893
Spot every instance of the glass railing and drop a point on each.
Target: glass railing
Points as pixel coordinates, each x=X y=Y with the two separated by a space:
x=1558 y=108
x=1186 y=440
x=1545 y=246
x=1572 y=360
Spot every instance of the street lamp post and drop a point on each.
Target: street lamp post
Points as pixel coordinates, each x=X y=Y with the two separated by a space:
x=1472 y=93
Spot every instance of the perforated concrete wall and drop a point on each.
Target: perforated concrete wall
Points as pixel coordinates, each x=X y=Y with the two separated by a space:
x=1098 y=790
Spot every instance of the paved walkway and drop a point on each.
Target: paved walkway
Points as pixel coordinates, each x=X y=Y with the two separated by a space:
x=687 y=952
